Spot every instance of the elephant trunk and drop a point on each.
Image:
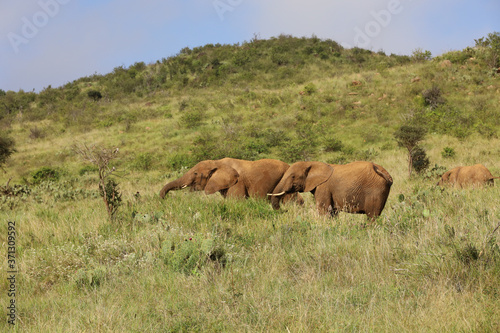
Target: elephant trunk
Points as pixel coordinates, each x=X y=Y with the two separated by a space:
x=177 y=184
x=277 y=195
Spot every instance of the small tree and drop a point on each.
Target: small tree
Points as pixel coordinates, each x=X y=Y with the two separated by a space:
x=101 y=157
x=409 y=136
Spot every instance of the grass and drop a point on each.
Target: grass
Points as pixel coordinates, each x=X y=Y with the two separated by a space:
x=193 y=262
x=288 y=269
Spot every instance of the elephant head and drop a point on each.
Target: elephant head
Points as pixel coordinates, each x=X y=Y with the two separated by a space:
x=301 y=177
x=206 y=175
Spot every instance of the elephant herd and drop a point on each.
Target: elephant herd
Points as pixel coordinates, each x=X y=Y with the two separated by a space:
x=358 y=187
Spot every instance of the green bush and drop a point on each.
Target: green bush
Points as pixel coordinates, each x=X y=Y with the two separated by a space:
x=192 y=118
x=419 y=55
x=448 y=152
x=420 y=160
x=6 y=149
x=45 y=174
x=95 y=95
x=298 y=149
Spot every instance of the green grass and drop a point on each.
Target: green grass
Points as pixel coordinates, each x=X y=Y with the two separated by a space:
x=192 y=262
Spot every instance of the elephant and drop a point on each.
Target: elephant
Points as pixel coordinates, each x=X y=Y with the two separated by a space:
x=358 y=187
x=465 y=176
x=233 y=178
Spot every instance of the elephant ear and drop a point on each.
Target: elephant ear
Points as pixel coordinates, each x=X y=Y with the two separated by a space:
x=221 y=178
x=445 y=178
x=316 y=174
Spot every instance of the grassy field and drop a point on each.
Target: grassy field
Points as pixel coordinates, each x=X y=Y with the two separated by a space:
x=192 y=262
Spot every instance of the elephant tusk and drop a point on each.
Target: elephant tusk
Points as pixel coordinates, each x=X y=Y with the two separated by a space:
x=276 y=195
x=183 y=186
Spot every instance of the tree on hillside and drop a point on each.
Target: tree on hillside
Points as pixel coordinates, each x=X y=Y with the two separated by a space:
x=409 y=136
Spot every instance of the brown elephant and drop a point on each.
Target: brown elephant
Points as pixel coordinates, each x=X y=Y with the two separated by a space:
x=357 y=187
x=233 y=178
x=465 y=176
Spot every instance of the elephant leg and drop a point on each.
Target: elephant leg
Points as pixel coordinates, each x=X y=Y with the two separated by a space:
x=237 y=191
x=374 y=207
x=332 y=210
x=324 y=201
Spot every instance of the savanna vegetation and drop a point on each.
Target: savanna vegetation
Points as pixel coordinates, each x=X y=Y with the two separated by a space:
x=98 y=250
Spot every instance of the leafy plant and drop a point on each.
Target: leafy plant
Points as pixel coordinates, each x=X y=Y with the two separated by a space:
x=435 y=172
x=448 y=152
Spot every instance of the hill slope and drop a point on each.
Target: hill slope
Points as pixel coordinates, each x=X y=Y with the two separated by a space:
x=246 y=100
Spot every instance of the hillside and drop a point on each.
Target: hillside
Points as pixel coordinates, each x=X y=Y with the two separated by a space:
x=245 y=100
x=194 y=262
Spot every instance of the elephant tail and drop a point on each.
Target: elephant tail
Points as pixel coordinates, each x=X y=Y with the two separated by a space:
x=383 y=173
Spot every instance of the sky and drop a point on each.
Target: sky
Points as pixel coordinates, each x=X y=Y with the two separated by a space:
x=52 y=42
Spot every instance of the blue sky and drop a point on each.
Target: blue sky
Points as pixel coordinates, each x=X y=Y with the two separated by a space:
x=52 y=42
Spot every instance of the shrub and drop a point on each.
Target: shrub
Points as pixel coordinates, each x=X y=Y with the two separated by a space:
x=310 y=89
x=298 y=149
x=6 y=149
x=420 y=160
x=435 y=172
x=192 y=118
x=45 y=174
x=333 y=144
x=101 y=157
x=491 y=45
x=419 y=55
x=432 y=97
x=111 y=196
x=448 y=152
x=95 y=95
x=36 y=133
